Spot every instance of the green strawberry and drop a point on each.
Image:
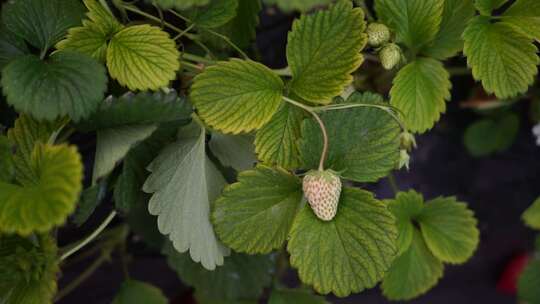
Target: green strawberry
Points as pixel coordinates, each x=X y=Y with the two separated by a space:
x=322 y=190
x=390 y=56
x=378 y=34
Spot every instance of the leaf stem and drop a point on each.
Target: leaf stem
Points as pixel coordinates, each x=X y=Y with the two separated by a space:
x=91 y=237
x=199 y=59
x=286 y=71
x=189 y=28
x=135 y=10
x=192 y=67
x=393 y=183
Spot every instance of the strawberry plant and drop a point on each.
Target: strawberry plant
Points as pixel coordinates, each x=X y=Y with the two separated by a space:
x=236 y=172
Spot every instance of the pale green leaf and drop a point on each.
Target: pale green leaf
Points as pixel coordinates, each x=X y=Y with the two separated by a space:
x=255 y=214
x=42 y=23
x=242 y=276
x=143 y=57
x=237 y=95
x=215 y=14
x=300 y=5
x=406 y=207
x=11 y=46
x=294 y=296
x=525 y=15
x=449 y=229
x=503 y=58
x=41 y=205
x=491 y=135
x=420 y=91
x=363 y=142
x=235 y=151
x=102 y=17
x=528 y=283
x=486 y=6
x=531 y=216
x=137 y=292
x=277 y=142
x=179 y=4
x=348 y=254
x=184 y=183
x=415 y=22
x=448 y=41
x=323 y=50
x=413 y=273
x=114 y=143
x=67 y=83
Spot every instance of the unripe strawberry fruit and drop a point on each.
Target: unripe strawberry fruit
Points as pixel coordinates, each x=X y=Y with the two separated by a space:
x=390 y=56
x=378 y=34
x=322 y=190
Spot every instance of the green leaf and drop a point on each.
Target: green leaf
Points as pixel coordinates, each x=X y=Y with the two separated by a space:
x=448 y=42
x=415 y=22
x=114 y=143
x=491 y=135
x=323 y=50
x=93 y=37
x=7 y=164
x=531 y=216
x=413 y=273
x=235 y=151
x=90 y=198
x=406 y=207
x=295 y=296
x=143 y=57
x=67 y=83
x=184 y=183
x=503 y=58
x=348 y=254
x=215 y=14
x=28 y=269
x=486 y=6
x=41 y=205
x=419 y=91
x=528 y=283
x=363 y=142
x=137 y=292
x=138 y=109
x=300 y=5
x=276 y=143
x=237 y=95
x=180 y=4
x=242 y=276
x=42 y=23
x=11 y=46
x=255 y=214
x=525 y=15
x=449 y=229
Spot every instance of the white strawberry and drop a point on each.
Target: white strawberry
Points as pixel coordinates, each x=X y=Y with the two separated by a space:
x=322 y=190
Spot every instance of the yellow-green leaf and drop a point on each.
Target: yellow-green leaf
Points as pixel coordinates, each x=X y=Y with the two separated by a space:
x=531 y=216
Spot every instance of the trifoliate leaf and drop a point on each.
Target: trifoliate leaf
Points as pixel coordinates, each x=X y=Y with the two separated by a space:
x=348 y=254
x=11 y=46
x=237 y=95
x=67 y=83
x=138 y=109
x=277 y=142
x=235 y=151
x=93 y=37
x=136 y=292
x=42 y=23
x=300 y=5
x=28 y=269
x=323 y=50
x=217 y=13
x=486 y=6
x=449 y=229
x=7 y=164
x=448 y=42
x=180 y=4
x=419 y=91
x=415 y=22
x=242 y=276
x=183 y=183
x=503 y=58
x=295 y=296
x=255 y=214
x=525 y=15
x=41 y=205
x=528 y=283
x=363 y=142
x=406 y=207
x=491 y=135
x=114 y=143
x=413 y=273
x=531 y=216
x=143 y=57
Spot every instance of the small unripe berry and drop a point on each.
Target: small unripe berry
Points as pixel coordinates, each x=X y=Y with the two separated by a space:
x=378 y=34
x=322 y=190
x=407 y=141
x=390 y=56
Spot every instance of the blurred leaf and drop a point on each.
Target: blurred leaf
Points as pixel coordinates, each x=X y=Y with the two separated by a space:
x=215 y=14
x=7 y=165
x=11 y=46
x=528 y=283
x=295 y=296
x=179 y=4
x=486 y=6
x=301 y=5
x=488 y=136
x=136 y=292
x=90 y=198
x=235 y=151
x=531 y=216
x=525 y=15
